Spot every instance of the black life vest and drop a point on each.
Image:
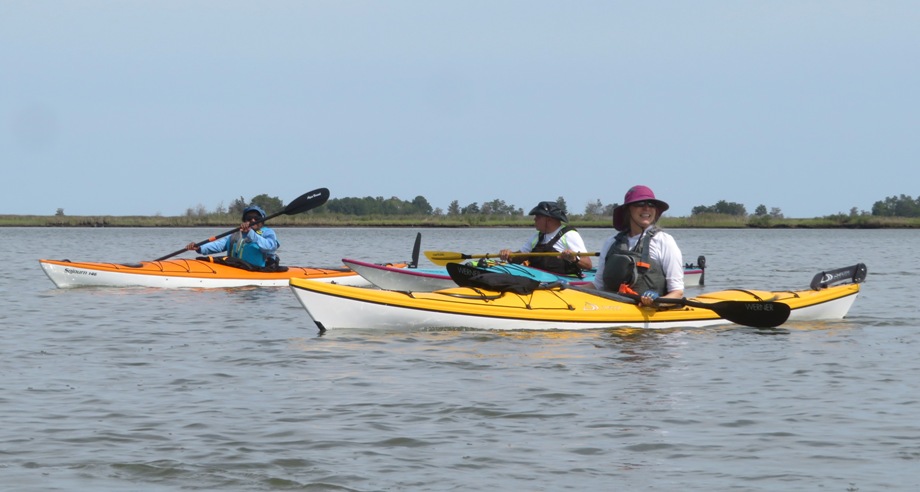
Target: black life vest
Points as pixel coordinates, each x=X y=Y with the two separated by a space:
x=551 y=263
x=633 y=267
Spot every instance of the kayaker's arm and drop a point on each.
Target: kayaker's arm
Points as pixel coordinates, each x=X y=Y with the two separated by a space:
x=583 y=262
x=505 y=255
x=212 y=247
x=651 y=298
x=267 y=241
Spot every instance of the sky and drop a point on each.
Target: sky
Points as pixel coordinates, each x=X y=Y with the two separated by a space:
x=156 y=107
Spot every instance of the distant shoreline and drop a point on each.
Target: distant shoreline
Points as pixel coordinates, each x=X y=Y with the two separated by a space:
x=462 y=221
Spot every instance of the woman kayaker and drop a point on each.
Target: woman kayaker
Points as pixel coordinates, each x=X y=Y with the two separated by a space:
x=552 y=236
x=641 y=257
x=253 y=243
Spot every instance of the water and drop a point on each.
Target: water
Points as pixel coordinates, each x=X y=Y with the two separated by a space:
x=154 y=390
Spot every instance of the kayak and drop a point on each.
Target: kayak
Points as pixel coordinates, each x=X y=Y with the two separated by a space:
x=390 y=277
x=185 y=273
x=565 y=307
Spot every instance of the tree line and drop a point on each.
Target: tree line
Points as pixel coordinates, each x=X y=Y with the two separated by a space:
x=893 y=206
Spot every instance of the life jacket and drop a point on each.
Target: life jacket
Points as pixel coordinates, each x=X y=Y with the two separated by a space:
x=552 y=263
x=237 y=247
x=633 y=268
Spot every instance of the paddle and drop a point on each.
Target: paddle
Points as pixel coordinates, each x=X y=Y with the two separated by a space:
x=444 y=257
x=301 y=204
x=757 y=314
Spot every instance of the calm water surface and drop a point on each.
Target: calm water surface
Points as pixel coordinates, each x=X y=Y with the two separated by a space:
x=148 y=390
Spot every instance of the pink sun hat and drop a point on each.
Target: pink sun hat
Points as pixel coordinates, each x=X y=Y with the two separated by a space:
x=638 y=193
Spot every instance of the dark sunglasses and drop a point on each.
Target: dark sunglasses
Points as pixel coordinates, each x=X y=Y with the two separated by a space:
x=646 y=203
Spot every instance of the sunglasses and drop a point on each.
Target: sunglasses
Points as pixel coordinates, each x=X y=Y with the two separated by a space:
x=646 y=203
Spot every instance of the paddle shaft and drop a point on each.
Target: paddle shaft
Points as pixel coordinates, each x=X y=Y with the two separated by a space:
x=208 y=240
x=307 y=201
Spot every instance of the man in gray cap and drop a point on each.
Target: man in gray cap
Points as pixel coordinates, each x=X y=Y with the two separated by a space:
x=552 y=236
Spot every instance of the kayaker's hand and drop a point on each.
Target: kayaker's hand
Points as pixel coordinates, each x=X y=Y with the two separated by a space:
x=648 y=297
x=244 y=227
x=191 y=247
x=504 y=254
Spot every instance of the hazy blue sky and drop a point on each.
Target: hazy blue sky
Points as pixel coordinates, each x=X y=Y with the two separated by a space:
x=146 y=107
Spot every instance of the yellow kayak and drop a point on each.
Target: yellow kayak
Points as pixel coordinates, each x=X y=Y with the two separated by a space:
x=566 y=308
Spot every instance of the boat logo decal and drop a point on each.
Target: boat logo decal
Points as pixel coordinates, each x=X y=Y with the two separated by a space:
x=590 y=306
x=830 y=277
x=73 y=271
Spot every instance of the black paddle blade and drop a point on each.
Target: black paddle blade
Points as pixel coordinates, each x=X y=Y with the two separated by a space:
x=307 y=201
x=757 y=314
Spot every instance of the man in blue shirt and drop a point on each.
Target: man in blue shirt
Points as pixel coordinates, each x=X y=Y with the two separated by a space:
x=253 y=243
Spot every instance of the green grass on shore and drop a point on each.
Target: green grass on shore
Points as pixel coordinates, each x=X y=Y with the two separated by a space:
x=711 y=221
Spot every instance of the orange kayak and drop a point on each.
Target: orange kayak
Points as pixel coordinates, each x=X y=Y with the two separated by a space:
x=184 y=273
